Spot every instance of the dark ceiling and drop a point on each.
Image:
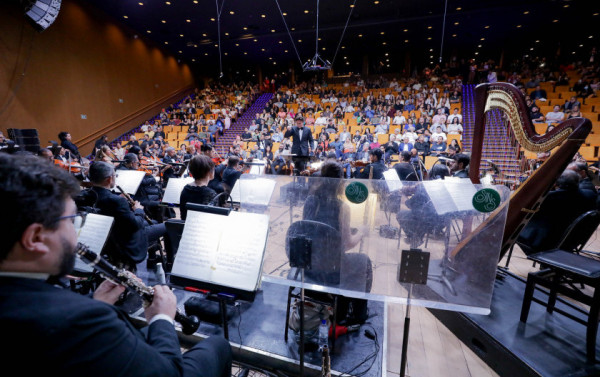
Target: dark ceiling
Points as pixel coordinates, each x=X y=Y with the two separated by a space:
x=390 y=33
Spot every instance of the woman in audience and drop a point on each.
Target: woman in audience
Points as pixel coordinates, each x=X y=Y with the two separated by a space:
x=454 y=143
x=202 y=169
x=455 y=128
x=105 y=154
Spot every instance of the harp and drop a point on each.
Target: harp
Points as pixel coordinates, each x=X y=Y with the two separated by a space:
x=525 y=201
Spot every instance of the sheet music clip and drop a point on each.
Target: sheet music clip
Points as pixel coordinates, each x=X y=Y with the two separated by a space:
x=413 y=267
x=208 y=209
x=300 y=252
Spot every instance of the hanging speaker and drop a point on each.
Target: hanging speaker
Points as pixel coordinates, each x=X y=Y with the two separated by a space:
x=42 y=12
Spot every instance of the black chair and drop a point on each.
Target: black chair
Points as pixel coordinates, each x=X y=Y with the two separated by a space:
x=561 y=269
x=326 y=254
x=174 y=231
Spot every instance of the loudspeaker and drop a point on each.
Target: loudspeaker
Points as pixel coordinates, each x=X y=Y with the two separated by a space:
x=42 y=12
x=26 y=139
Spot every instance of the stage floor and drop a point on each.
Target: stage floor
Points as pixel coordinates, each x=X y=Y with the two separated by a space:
x=547 y=345
x=258 y=328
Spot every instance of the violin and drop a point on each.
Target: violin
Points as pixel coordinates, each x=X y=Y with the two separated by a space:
x=72 y=167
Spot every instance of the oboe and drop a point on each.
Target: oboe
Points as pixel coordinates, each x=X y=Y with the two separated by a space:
x=132 y=204
x=189 y=324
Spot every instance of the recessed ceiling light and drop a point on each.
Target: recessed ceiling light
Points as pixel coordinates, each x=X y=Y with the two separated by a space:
x=351 y=5
x=216 y=45
x=125 y=16
x=148 y=31
x=566 y=6
x=181 y=52
x=280 y=42
x=305 y=11
x=226 y=33
x=406 y=41
x=255 y=40
x=537 y=41
x=245 y=28
x=195 y=1
x=595 y=14
x=486 y=27
x=181 y=35
x=188 y=20
x=479 y=46
x=476 y=53
x=206 y=54
x=231 y=12
x=163 y=21
x=245 y=53
x=286 y=51
x=263 y=16
x=456 y=23
x=375 y=2
x=591 y=36
x=224 y=53
x=285 y=14
x=204 y=34
x=482 y=39
x=429 y=27
x=347 y=63
x=237 y=45
x=382 y=33
x=141 y=3
x=405 y=30
x=168 y=2
x=212 y=19
x=193 y=60
x=384 y=43
x=430 y=49
x=360 y=35
x=166 y=43
x=272 y=30
x=343 y=47
x=459 y=8
x=429 y=38
x=454 y=35
x=195 y=46
x=386 y=54
x=262 y=49
x=300 y=40
x=526 y=12
x=292 y=29
x=580 y=45
x=518 y=26
x=554 y=21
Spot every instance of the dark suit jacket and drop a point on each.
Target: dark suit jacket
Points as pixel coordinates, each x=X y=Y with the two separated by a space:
x=74 y=335
x=230 y=176
x=378 y=169
x=406 y=171
x=72 y=148
x=300 y=146
x=127 y=231
x=560 y=208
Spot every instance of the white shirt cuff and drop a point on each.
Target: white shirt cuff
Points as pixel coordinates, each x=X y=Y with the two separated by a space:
x=163 y=317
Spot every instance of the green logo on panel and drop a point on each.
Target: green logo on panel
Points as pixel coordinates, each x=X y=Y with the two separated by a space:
x=486 y=200
x=357 y=192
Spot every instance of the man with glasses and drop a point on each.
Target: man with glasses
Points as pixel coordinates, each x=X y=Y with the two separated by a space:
x=74 y=334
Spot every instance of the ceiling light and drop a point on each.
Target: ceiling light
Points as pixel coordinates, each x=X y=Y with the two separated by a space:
x=382 y=33
x=245 y=53
x=168 y=2
x=375 y=2
x=386 y=54
x=141 y=3
x=163 y=21
x=430 y=49
x=255 y=40
x=280 y=42
x=384 y=43
x=566 y=6
x=580 y=45
x=195 y=46
x=231 y=12
x=272 y=30
x=181 y=35
x=406 y=41
x=286 y=51
x=262 y=49
x=300 y=40
x=554 y=20
x=459 y=8
x=193 y=60
x=531 y=49
x=405 y=30
x=204 y=34
x=245 y=28
x=206 y=54
x=148 y=31
x=486 y=26
x=538 y=41
x=429 y=27
x=212 y=19
x=482 y=39
x=263 y=16
x=343 y=47
x=292 y=29
x=180 y=51
x=195 y=1
x=429 y=38
x=351 y=5
x=591 y=36
x=166 y=43
x=188 y=20
x=387 y=60
x=347 y=63
x=216 y=45
x=476 y=53
x=226 y=33
x=595 y=14
x=454 y=35
x=360 y=35
x=518 y=26
x=526 y=12
x=305 y=11
x=225 y=53
x=479 y=46
x=125 y=16
x=285 y=14
x=456 y=23
x=237 y=45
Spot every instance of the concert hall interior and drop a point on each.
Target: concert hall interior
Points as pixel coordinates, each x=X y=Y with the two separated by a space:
x=190 y=179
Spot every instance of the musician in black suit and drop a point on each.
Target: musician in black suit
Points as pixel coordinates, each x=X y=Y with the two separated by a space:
x=74 y=334
x=169 y=159
x=406 y=171
x=460 y=166
x=149 y=192
x=376 y=164
x=231 y=173
x=302 y=142
x=65 y=142
x=131 y=233
x=560 y=208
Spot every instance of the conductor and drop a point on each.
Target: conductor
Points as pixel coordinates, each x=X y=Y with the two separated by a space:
x=301 y=143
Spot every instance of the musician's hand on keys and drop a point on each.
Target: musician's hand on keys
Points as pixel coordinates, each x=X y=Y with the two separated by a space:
x=108 y=292
x=137 y=205
x=163 y=302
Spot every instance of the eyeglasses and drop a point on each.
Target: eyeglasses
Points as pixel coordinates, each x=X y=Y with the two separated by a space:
x=78 y=219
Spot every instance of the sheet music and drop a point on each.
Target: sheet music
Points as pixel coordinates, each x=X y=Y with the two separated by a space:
x=129 y=180
x=174 y=188
x=448 y=197
x=93 y=234
x=253 y=191
x=207 y=251
x=258 y=169
x=392 y=180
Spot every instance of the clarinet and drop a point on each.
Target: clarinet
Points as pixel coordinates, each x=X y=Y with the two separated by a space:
x=189 y=324
x=132 y=204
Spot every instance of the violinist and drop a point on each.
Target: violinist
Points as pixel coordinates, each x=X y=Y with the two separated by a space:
x=376 y=167
x=169 y=159
x=104 y=154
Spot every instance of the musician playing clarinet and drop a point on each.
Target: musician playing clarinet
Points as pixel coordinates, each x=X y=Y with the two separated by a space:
x=50 y=328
